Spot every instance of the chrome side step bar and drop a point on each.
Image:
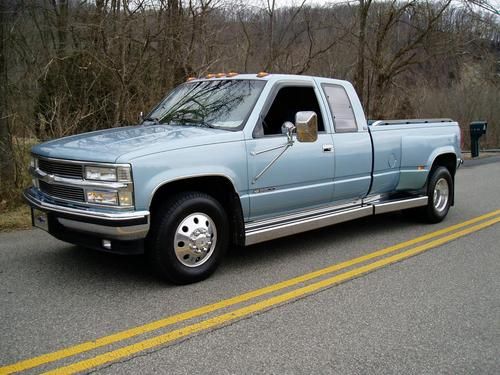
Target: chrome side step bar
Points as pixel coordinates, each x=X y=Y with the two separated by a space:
x=397 y=205
x=297 y=226
x=270 y=229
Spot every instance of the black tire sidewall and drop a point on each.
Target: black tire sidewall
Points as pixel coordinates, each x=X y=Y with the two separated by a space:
x=163 y=253
x=433 y=215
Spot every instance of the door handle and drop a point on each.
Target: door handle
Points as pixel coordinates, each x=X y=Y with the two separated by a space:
x=328 y=148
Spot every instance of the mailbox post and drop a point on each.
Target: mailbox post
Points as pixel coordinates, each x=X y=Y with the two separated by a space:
x=477 y=129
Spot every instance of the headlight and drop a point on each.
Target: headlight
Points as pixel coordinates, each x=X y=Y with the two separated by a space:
x=123 y=196
x=100 y=173
x=108 y=174
x=120 y=198
x=102 y=197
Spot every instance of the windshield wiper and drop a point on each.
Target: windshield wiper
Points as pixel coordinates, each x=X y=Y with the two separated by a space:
x=192 y=122
x=155 y=120
x=207 y=125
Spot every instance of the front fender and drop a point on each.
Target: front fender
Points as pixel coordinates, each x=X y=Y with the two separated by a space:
x=153 y=171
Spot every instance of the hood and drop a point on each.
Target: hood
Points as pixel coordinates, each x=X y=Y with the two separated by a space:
x=131 y=142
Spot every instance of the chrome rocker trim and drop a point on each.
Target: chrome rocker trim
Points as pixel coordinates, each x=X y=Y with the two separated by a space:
x=303 y=225
x=397 y=205
x=265 y=230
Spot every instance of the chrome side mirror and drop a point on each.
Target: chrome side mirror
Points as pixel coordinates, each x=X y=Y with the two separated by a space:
x=287 y=129
x=306 y=124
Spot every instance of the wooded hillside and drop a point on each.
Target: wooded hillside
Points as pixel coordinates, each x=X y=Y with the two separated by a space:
x=70 y=66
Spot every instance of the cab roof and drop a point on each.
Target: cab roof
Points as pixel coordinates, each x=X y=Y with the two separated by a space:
x=267 y=77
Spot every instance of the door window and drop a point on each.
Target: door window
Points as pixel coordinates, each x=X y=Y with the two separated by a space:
x=341 y=109
x=288 y=101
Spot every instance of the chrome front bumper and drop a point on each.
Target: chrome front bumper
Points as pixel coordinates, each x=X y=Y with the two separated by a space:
x=110 y=225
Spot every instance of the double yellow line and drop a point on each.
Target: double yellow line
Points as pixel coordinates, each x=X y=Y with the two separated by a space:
x=422 y=243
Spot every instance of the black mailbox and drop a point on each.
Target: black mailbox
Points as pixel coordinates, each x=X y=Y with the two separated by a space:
x=477 y=129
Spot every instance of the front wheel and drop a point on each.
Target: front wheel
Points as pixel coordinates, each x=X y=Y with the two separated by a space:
x=189 y=236
x=440 y=194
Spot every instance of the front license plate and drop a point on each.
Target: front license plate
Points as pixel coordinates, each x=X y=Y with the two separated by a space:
x=40 y=219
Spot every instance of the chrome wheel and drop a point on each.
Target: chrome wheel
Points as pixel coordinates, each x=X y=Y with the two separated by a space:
x=195 y=239
x=441 y=195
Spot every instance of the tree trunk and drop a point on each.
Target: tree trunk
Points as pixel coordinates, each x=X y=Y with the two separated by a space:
x=378 y=110
x=175 y=34
x=62 y=26
x=359 y=79
x=6 y=160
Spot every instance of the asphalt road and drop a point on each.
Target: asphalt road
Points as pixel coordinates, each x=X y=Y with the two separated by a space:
x=437 y=312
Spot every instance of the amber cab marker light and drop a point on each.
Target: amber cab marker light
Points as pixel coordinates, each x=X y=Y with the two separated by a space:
x=211 y=75
x=190 y=79
x=220 y=75
x=232 y=74
x=262 y=74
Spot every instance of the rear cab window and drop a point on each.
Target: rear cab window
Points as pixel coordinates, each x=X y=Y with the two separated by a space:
x=340 y=106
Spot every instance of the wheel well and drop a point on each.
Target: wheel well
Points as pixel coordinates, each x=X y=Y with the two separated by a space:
x=218 y=187
x=448 y=161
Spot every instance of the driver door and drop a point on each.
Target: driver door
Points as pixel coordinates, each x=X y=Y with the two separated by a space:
x=302 y=177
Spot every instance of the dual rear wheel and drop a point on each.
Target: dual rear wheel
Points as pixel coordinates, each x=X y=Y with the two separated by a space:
x=440 y=193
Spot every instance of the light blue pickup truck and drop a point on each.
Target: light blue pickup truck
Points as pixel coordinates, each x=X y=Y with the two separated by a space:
x=235 y=160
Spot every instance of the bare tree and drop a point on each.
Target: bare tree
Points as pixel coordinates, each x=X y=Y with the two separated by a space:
x=484 y=5
x=75 y=66
x=390 y=58
x=359 y=78
x=5 y=142
x=61 y=12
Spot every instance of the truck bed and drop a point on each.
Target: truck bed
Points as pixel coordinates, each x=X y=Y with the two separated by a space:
x=404 y=150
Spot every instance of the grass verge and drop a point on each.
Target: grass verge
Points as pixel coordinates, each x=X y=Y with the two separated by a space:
x=15 y=219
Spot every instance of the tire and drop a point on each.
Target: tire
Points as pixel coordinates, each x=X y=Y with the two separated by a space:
x=440 y=192
x=188 y=237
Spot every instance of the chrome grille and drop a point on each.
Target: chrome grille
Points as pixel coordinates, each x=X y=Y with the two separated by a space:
x=61 y=169
x=63 y=191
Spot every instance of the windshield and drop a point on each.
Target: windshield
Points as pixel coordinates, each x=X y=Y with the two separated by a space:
x=221 y=104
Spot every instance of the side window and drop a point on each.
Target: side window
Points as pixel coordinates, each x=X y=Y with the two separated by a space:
x=341 y=109
x=288 y=101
